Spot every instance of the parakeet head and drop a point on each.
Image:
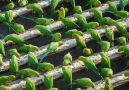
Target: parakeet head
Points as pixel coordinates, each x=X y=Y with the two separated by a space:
x=82 y=58
x=11 y=77
x=106 y=26
x=37 y=74
x=87 y=51
x=51 y=20
x=107 y=80
x=121 y=48
x=75 y=35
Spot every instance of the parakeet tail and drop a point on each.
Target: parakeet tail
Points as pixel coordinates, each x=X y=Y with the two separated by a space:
x=43 y=56
x=52 y=12
x=25 y=17
x=98 y=74
x=126 y=67
x=70 y=84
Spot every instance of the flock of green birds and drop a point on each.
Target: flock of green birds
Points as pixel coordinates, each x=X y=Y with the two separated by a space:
x=89 y=27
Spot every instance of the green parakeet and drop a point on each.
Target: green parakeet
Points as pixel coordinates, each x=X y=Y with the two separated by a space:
x=121 y=40
x=105 y=60
x=6 y=79
x=10 y=6
x=45 y=66
x=43 y=29
x=32 y=59
x=52 y=47
x=28 y=48
x=27 y=73
x=18 y=27
x=36 y=8
x=53 y=5
x=72 y=2
x=4 y=88
x=56 y=37
x=109 y=33
x=2 y=18
x=43 y=21
x=22 y=3
x=93 y=3
x=112 y=6
x=1 y=59
x=97 y=13
x=79 y=40
x=122 y=14
x=81 y=19
x=120 y=27
x=69 y=33
x=84 y=82
x=30 y=85
x=105 y=45
x=87 y=51
x=94 y=34
x=107 y=72
x=89 y=64
x=106 y=20
x=9 y=15
x=67 y=59
x=125 y=49
x=62 y=12
x=13 y=65
x=14 y=38
x=77 y=9
x=108 y=85
x=48 y=81
x=90 y=25
x=67 y=75
x=2 y=50
x=14 y=52
x=126 y=73
x=69 y=23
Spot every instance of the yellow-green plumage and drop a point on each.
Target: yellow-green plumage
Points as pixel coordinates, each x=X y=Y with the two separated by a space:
x=14 y=38
x=122 y=14
x=85 y=82
x=27 y=73
x=13 y=65
x=9 y=15
x=32 y=59
x=105 y=45
x=48 y=81
x=87 y=51
x=91 y=25
x=105 y=60
x=112 y=6
x=43 y=21
x=4 y=88
x=14 y=52
x=56 y=37
x=36 y=8
x=53 y=89
x=69 y=33
x=108 y=85
x=67 y=75
x=78 y=9
x=81 y=19
x=10 y=6
x=2 y=50
x=30 y=85
x=6 y=79
x=46 y=66
x=22 y=3
x=69 y=23
x=107 y=72
x=1 y=59
x=121 y=40
x=28 y=48
x=97 y=13
x=94 y=34
x=18 y=27
x=79 y=40
x=67 y=59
